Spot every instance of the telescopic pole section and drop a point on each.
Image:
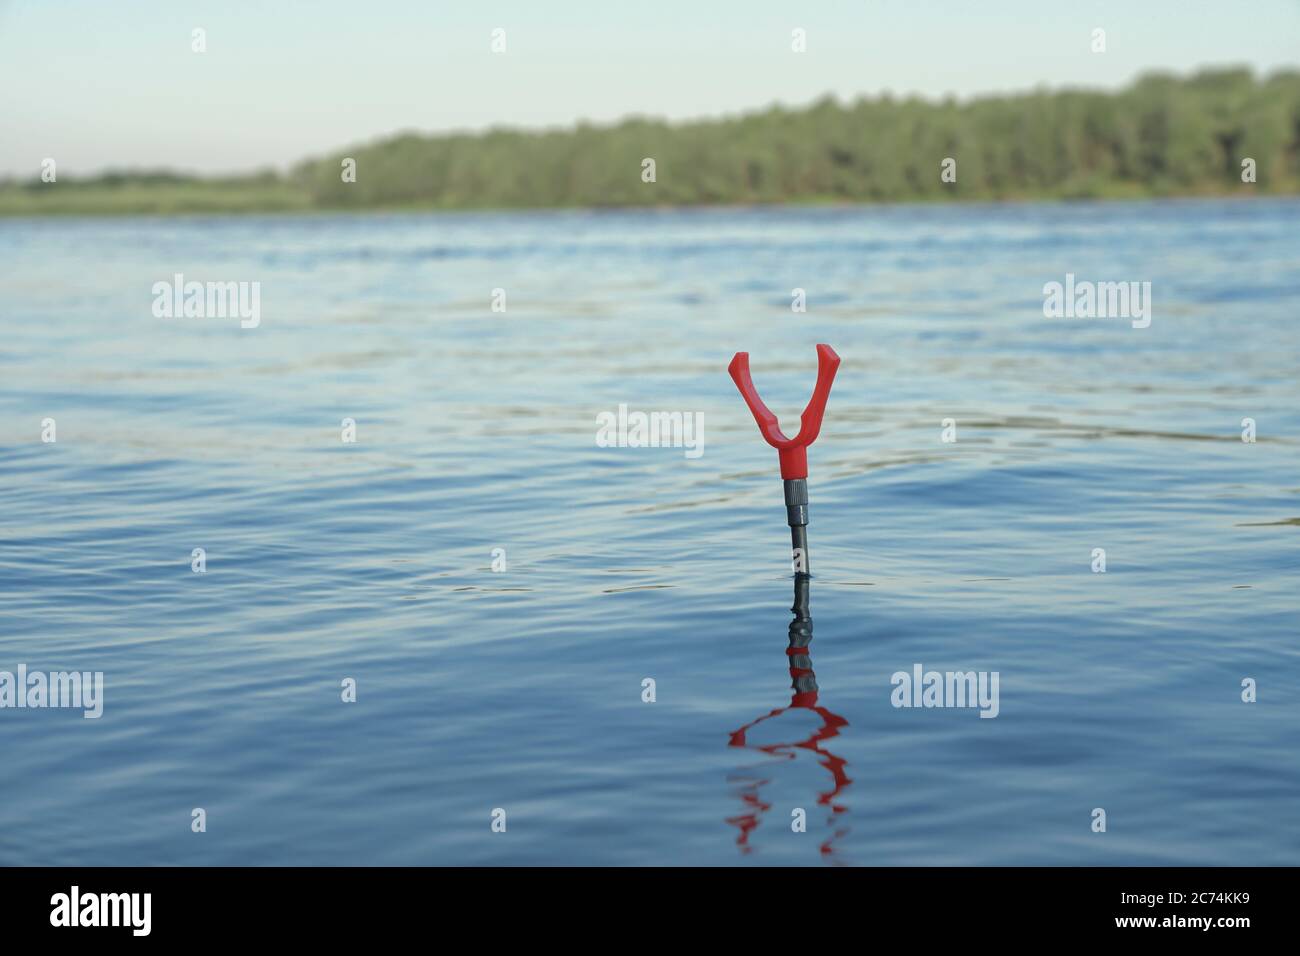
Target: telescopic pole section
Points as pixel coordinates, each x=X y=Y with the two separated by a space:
x=796 y=516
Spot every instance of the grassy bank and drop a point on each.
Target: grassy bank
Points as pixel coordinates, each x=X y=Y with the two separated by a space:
x=152 y=194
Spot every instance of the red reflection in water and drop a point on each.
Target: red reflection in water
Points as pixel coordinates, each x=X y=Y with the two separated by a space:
x=804 y=684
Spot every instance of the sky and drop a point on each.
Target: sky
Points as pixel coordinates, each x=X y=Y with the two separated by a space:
x=99 y=84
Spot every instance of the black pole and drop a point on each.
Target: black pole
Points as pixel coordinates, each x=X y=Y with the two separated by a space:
x=801 y=626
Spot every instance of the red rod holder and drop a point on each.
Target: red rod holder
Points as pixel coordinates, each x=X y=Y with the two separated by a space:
x=793 y=451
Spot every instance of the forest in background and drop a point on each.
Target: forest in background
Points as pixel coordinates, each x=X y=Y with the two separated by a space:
x=1162 y=136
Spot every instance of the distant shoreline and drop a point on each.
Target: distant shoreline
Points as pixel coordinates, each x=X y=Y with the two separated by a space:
x=1217 y=133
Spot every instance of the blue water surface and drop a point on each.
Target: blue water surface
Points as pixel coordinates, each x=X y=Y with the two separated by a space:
x=522 y=689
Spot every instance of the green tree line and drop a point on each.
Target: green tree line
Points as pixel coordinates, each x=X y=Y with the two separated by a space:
x=1161 y=136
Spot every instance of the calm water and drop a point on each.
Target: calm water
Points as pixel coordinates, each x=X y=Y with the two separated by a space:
x=522 y=690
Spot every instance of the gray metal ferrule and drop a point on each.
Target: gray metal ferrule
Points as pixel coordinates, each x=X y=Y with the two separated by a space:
x=796 y=501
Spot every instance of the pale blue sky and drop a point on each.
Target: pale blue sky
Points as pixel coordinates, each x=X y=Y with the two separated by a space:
x=98 y=83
